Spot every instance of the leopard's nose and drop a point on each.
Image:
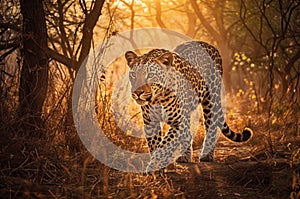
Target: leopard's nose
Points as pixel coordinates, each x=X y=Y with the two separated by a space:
x=138 y=93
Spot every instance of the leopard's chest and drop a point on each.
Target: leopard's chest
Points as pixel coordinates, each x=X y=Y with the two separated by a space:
x=178 y=97
x=166 y=110
x=169 y=110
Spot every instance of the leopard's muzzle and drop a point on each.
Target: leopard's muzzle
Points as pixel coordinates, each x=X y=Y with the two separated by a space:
x=142 y=95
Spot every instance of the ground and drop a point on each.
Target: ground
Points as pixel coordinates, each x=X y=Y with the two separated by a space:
x=45 y=168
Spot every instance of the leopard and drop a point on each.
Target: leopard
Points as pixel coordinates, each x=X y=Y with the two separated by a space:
x=169 y=85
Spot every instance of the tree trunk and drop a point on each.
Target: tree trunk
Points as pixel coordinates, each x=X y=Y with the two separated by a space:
x=34 y=72
x=89 y=24
x=219 y=35
x=226 y=53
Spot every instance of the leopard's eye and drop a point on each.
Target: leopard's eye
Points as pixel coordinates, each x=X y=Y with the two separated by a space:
x=150 y=75
x=132 y=75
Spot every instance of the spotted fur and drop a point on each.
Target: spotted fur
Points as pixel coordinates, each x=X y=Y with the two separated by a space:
x=169 y=86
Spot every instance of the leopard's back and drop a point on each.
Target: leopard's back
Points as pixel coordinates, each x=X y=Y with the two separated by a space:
x=199 y=54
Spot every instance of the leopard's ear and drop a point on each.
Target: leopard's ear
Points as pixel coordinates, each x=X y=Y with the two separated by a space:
x=130 y=57
x=166 y=59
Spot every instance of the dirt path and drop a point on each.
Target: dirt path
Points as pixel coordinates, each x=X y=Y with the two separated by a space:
x=35 y=169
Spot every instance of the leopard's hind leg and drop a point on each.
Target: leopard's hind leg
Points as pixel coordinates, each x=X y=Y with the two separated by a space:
x=210 y=122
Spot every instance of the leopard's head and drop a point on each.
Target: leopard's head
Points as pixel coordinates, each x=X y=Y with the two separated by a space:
x=148 y=74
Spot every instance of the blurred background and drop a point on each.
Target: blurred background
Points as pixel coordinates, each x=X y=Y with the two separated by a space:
x=44 y=42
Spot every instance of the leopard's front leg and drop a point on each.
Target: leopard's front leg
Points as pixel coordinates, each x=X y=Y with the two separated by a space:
x=153 y=135
x=178 y=137
x=152 y=127
x=164 y=152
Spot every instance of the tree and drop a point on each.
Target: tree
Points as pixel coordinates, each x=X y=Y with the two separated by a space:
x=10 y=31
x=274 y=27
x=71 y=27
x=275 y=31
x=70 y=36
x=34 y=72
x=219 y=24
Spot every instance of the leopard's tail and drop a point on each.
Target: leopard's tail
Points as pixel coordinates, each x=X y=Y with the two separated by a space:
x=237 y=137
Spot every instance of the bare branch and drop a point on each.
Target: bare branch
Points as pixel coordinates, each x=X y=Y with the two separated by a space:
x=89 y=25
x=65 y=42
x=205 y=23
x=11 y=26
x=158 y=14
x=15 y=42
x=61 y=58
x=292 y=61
x=8 y=52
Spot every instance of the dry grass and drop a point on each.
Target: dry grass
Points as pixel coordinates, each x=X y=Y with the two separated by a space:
x=58 y=166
